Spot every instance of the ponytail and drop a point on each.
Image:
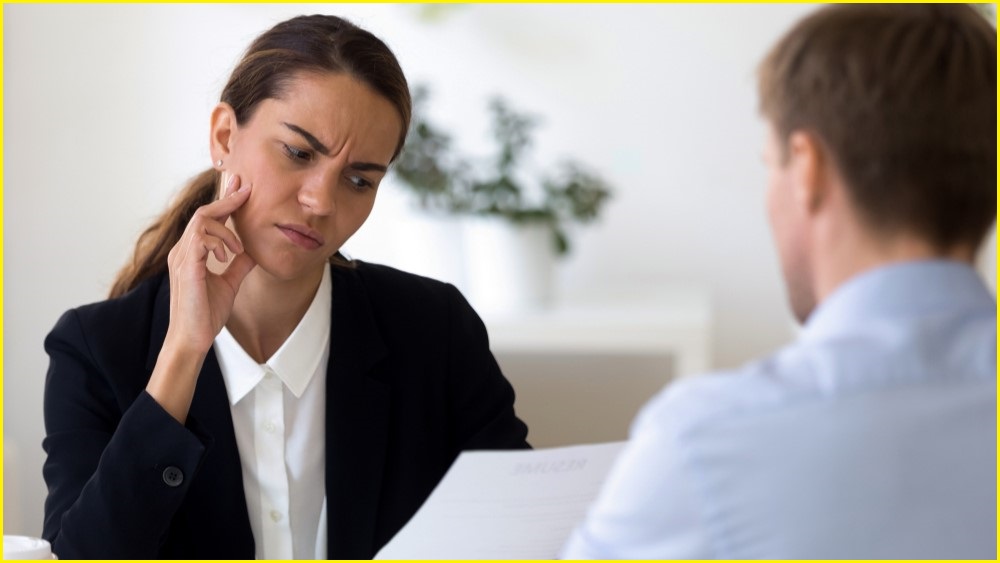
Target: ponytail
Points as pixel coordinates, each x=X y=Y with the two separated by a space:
x=154 y=244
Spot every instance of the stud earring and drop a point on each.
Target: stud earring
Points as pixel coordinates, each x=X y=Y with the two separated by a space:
x=219 y=163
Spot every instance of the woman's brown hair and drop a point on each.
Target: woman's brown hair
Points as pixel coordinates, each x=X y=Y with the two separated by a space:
x=317 y=43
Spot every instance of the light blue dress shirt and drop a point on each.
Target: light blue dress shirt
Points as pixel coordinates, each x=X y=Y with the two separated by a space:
x=872 y=436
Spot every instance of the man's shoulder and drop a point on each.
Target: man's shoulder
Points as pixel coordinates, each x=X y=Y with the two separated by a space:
x=757 y=386
x=819 y=374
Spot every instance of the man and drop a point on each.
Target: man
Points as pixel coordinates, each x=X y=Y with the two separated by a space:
x=874 y=434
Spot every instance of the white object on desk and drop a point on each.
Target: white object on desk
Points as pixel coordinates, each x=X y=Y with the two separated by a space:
x=24 y=547
x=505 y=504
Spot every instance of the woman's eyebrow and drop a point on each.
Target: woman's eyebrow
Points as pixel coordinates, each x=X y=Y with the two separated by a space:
x=309 y=137
x=368 y=167
x=322 y=149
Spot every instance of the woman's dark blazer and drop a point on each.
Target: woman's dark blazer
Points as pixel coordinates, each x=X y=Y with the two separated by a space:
x=410 y=384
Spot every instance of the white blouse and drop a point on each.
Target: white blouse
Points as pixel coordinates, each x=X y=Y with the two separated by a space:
x=279 y=415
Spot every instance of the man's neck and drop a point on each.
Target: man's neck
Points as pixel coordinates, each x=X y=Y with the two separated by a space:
x=856 y=251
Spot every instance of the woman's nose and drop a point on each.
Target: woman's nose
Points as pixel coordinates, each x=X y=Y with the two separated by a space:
x=317 y=195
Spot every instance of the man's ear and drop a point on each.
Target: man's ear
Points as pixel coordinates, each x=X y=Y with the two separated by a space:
x=807 y=163
x=221 y=129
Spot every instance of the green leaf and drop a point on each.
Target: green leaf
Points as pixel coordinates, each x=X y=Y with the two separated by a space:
x=561 y=242
x=443 y=178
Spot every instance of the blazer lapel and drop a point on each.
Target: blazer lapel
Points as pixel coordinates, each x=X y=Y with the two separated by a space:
x=216 y=508
x=357 y=411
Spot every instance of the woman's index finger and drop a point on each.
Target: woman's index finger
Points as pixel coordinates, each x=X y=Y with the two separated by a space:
x=222 y=208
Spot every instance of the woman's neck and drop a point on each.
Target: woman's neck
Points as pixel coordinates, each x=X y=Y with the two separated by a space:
x=267 y=310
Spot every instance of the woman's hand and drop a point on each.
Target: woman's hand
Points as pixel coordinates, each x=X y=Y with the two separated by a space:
x=200 y=300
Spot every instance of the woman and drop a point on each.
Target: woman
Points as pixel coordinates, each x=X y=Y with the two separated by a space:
x=246 y=391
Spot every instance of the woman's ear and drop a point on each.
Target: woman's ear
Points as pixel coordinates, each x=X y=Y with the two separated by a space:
x=223 y=125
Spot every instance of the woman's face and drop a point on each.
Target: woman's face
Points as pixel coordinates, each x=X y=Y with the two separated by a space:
x=314 y=159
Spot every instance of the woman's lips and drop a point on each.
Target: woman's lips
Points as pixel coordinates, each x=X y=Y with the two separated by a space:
x=302 y=236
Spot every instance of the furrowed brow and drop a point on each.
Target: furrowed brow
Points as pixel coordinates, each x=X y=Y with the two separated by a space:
x=309 y=137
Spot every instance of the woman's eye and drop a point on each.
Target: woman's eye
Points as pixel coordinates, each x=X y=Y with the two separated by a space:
x=297 y=154
x=359 y=183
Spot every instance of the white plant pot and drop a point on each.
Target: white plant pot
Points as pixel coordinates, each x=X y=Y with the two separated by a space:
x=430 y=244
x=509 y=267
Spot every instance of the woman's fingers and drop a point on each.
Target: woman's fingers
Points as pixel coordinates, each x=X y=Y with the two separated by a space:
x=238 y=270
x=219 y=251
x=198 y=247
x=236 y=195
x=208 y=220
x=201 y=297
x=220 y=231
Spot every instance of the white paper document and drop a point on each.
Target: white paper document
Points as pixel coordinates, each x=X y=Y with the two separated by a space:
x=519 y=504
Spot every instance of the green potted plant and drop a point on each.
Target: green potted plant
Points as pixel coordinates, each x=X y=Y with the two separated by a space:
x=514 y=229
x=443 y=180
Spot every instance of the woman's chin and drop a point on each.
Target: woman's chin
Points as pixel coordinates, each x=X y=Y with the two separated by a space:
x=289 y=268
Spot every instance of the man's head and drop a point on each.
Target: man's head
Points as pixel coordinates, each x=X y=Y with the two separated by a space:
x=897 y=105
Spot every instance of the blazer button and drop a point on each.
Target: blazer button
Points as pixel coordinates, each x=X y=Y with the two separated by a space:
x=173 y=476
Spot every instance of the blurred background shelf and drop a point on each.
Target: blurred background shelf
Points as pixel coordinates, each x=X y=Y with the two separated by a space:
x=583 y=367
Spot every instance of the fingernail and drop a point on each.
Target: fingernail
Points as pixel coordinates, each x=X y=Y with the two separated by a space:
x=243 y=188
x=229 y=184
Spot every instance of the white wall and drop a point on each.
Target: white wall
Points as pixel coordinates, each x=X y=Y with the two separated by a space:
x=107 y=106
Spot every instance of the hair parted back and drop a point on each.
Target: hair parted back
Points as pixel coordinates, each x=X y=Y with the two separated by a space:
x=903 y=99
x=317 y=43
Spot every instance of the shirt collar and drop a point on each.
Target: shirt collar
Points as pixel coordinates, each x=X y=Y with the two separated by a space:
x=295 y=362
x=898 y=290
